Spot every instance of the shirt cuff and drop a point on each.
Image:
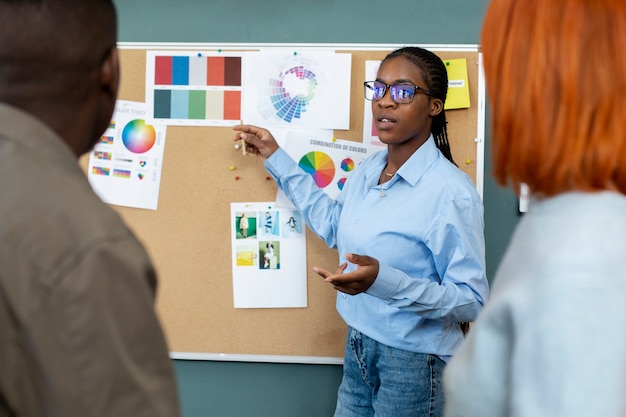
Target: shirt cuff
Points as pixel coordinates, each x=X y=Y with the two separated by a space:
x=279 y=163
x=383 y=287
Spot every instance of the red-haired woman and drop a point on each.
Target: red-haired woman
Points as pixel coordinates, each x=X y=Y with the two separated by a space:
x=551 y=341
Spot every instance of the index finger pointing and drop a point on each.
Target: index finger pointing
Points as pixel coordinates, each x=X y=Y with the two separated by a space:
x=247 y=128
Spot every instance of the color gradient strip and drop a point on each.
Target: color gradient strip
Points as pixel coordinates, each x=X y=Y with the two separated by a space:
x=197 y=104
x=213 y=71
x=121 y=173
x=100 y=171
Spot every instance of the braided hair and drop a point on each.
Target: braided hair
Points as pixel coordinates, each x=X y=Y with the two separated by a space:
x=436 y=78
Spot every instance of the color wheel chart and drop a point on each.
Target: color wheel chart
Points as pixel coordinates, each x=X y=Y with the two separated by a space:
x=329 y=161
x=297 y=90
x=138 y=137
x=320 y=166
x=347 y=165
x=291 y=92
x=194 y=88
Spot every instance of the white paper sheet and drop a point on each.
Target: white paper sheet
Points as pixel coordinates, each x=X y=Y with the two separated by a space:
x=125 y=166
x=309 y=90
x=370 y=136
x=329 y=160
x=269 y=258
x=200 y=88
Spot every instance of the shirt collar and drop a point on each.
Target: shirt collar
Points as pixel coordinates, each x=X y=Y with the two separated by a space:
x=413 y=169
x=417 y=164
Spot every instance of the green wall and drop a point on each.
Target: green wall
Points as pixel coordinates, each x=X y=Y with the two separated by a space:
x=236 y=389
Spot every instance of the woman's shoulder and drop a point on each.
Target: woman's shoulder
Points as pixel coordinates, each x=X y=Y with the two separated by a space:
x=451 y=177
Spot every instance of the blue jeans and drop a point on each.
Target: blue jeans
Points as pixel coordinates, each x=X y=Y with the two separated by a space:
x=381 y=381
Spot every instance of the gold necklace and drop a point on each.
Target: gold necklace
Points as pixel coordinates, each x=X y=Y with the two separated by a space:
x=385 y=177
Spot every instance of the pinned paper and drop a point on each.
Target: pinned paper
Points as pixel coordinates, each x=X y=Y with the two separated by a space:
x=458 y=88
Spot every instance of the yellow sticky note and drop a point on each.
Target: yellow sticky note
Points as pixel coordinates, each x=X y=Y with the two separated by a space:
x=458 y=88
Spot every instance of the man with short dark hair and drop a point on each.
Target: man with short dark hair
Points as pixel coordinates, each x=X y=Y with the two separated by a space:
x=78 y=332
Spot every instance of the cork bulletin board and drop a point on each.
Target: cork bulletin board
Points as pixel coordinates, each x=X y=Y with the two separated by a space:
x=188 y=237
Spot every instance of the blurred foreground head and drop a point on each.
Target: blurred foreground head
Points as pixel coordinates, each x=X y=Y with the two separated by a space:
x=556 y=79
x=58 y=61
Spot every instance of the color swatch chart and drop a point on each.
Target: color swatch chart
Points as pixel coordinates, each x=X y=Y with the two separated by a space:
x=197 y=105
x=197 y=70
x=125 y=165
x=184 y=88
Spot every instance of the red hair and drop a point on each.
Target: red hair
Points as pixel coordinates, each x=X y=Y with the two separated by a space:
x=556 y=80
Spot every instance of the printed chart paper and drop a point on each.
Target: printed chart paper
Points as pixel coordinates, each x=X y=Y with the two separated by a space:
x=125 y=165
x=370 y=136
x=458 y=87
x=268 y=256
x=329 y=161
x=194 y=88
x=309 y=90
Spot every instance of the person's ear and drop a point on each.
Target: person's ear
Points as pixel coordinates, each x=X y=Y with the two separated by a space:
x=436 y=106
x=110 y=74
x=105 y=96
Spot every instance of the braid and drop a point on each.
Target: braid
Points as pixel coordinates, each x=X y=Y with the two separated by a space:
x=436 y=78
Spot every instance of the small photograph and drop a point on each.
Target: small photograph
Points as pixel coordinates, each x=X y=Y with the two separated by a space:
x=293 y=226
x=269 y=223
x=246 y=254
x=245 y=225
x=269 y=255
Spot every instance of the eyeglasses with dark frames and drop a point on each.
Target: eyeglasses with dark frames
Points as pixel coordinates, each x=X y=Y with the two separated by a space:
x=401 y=93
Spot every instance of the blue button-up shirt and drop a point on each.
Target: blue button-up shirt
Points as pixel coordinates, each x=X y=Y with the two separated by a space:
x=425 y=227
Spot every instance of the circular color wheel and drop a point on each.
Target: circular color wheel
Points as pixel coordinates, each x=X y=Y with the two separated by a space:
x=138 y=137
x=347 y=164
x=341 y=183
x=320 y=166
x=289 y=105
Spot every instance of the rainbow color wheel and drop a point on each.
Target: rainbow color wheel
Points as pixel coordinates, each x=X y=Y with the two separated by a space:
x=347 y=164
x=320 y=166
x=341 y=183
x=138 y=137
